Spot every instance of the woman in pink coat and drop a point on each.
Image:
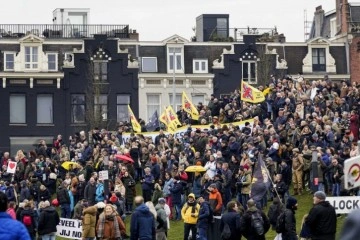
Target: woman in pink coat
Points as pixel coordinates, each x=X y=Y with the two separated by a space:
x=354 y=125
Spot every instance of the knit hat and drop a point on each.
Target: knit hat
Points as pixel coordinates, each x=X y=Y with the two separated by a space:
x=161 y=201
x=291 y=202
x=320 y=195
x=100 y=205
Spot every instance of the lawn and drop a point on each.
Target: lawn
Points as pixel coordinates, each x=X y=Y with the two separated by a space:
x=304 y=205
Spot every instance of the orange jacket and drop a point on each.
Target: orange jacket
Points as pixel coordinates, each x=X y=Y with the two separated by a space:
x=215 y=201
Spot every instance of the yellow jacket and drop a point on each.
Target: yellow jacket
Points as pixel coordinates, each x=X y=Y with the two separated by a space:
x=186 y=213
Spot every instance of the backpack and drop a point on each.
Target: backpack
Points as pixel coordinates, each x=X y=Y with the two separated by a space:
x=27 y=220
x=280 y=223
x=257 y=223
x=226 y=232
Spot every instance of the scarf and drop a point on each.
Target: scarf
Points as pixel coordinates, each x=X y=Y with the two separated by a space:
x=102 y=218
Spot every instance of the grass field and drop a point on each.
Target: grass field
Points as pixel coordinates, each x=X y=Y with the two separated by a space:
x=304 y=205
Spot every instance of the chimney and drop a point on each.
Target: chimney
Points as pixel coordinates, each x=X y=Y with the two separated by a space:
x=133 y=35
x=318 y=20
x=342 y=15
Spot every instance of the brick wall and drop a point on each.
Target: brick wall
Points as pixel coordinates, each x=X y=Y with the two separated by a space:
x=355 y=59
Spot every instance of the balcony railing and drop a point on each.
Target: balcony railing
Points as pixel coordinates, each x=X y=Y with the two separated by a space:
x=62 y=30
x=354 y=27
x=236 y=34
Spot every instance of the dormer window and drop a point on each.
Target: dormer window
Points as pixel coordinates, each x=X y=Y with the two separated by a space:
x=31 y=57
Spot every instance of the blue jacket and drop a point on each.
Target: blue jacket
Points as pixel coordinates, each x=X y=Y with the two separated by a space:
x=176 y=192
x=12 y=229
x=99 y=192
x=167 y=184
x=148 y=183
x=203 y=218
x=142 y=225
x=197 y=186
x=232 y=218
x=155 y=171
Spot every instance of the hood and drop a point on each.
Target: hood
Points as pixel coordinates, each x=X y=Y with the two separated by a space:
x=252 y=209
x=142 y=208
x=351 y=230
x=23 y=183
x=49 y=209
x=90 y=210
x=191 y=195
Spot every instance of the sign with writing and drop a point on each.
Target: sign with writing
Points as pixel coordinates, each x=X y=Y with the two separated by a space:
x=179 y=132
x=104 y=175
x=352 y=172
x=11 y=167
x=344 y=205
x=69 y=228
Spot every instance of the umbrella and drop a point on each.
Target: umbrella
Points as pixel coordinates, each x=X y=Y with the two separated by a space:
x=66 y=165
x=124 y=158
x=195 y=168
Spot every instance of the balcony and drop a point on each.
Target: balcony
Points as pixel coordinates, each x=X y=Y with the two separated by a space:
x=56 y=31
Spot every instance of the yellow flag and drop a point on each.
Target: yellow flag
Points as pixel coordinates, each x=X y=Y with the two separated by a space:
x=266 y=91
x=251 y=94
x=189 y=107
x=164 y=119
x=171 y=119
x=135 y=124
x=177 y=122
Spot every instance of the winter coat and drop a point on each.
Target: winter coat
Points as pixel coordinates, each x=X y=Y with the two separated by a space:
x=10 y=194
x=167 y=186
x=63 y=196
x=197 y=186
x=49 y=219
x=176 y=193
x=89 y=222
x=187 y=210
x=148 y=183
x=245 y=225
x=203 y=218
x=322 y=221
x=290 y=226
x=161 y=215
x=30 y=212
x=24 y=194
x=232 y=218
x=99 y=192
x=156 y=195
x=109 y=231
x=215 y=201
x=129 y=184
x=90 y=193
x=12 y=229
x=142 y=225
x=44 y=195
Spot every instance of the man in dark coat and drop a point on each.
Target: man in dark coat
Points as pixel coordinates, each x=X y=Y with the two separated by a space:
x=49 y=219
x=232 y=218
x=322 y=218
x=290 y=220
x=203 y=218
x=142 y=225
x=90 y=191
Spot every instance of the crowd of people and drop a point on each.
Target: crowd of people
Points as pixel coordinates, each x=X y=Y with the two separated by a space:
x=297 y=118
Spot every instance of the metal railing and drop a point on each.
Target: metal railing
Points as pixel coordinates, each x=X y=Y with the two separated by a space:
x=354 y=27
x=236 y=34
x=62 y=30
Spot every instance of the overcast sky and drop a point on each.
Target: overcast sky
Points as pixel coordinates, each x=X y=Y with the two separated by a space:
x=156 y=20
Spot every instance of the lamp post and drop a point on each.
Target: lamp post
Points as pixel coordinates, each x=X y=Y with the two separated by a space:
x=173 y=85
x=314 y=175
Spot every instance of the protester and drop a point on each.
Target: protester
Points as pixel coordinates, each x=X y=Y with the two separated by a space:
x=203 y=219
x=322 y=218
x=232 y=219
x=109 y=226
x=161 y=220
x=289 y=232
x=190 y=213
x=88 y=221
x=10 y=228
x=49 y=219
x=142 y=224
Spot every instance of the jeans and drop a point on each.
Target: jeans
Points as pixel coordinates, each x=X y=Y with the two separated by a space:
x=50 y=236
x=336 y=189
x=187 y=228
x=201 y=234
x=244 y=199
x=65 y=210
x=177 y=211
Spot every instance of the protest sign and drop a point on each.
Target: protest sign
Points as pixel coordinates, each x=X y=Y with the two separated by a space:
x=11 y=168
x=104 y=175
x=69 y=228
x=344 y=205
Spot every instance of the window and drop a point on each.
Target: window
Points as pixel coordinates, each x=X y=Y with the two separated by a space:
x=318 y=59
x=9 y=61
x=77 y=108
x=52 y=61
x=198 y=98
x=200 y=66
x=249 y=71
x=153 y=104
x=333 y=27
x=178 y=101
x=31 y=57
x=175 y=59
x=222 y=28
x=149 y=64
x=17 y=108
x=100 y=106
x=45 y=109
x=100 y=71
x=122 y=102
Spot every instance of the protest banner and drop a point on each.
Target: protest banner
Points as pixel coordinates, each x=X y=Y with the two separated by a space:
x=344 y=205
x=69 y=228
x=179 y=132
x=11 y=168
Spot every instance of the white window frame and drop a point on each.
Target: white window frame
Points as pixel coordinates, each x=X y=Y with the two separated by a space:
x=170 y=54
x=149 y=114
x=39 y=120
x=178 y=101
x=5 y=61
x=56 y=61
x=142 y=64
x=13 y=110
x=333 y=27
x=200 y=62
x=32 y=65
x=249 y=79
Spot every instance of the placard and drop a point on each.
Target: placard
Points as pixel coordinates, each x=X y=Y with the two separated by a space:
x=344 y=205
x=352 y=172
x=69 y=228
x=11 y=168
x=104 y=175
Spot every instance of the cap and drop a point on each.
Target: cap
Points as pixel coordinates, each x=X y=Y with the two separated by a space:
x=161 y=200
x=291 y=202
x=320 y=195
x=191 y=195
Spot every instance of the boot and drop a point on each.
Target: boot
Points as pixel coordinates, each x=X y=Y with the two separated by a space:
x=295 y=192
